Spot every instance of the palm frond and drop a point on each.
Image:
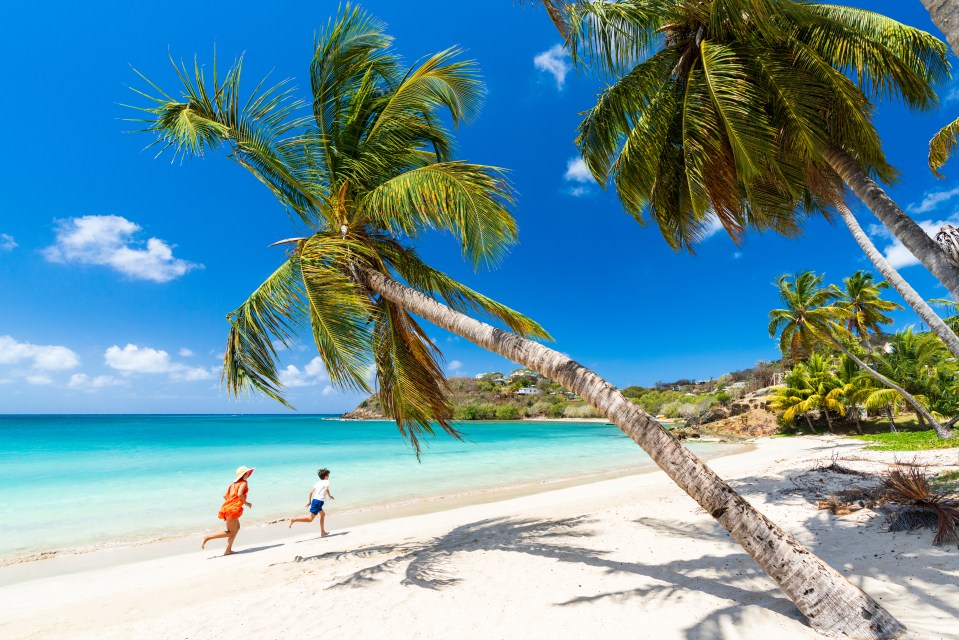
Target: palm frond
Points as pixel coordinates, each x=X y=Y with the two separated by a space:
x=340 y=311
x=275 y=311
x=943 y=146
x=470 y=201
x=411 y=385
x=613 y=36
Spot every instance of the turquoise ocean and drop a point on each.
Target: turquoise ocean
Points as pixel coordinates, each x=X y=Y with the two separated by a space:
x=80 y=482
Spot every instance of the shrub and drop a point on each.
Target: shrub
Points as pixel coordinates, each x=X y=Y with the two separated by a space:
x=556 y=410
x=507 y=412
x=581 y=410
x=539 y=408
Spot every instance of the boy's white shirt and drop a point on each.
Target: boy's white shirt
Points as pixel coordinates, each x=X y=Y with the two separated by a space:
x=321 y=490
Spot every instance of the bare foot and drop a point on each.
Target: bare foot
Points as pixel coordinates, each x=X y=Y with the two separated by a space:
x=228 y=553
x=323 y=534
x=203 y=546
x=290 y=526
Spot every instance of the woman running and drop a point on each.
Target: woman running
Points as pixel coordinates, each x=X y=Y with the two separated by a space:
x=232 y=509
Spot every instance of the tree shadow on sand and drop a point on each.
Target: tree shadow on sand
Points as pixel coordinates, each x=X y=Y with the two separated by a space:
x=928 y=582
x=734 y=577
x=429 y=564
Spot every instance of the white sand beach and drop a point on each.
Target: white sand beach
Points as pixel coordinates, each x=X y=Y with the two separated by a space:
x=627 y=557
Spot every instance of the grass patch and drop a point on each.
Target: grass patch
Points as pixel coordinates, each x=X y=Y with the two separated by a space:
x=908 y=441
x=948 y=481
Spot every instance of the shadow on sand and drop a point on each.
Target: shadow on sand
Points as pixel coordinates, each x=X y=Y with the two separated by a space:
x=429 y=564
x=250 y=550
x=330 y=535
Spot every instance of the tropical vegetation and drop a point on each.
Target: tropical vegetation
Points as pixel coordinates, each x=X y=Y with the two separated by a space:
x=366 y=167
x=816 y=330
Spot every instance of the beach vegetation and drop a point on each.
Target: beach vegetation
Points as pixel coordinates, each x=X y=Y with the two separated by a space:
x=813 y=319
x=903 y=440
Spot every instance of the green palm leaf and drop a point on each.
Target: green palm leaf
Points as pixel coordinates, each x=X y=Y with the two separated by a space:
x=943 y=146
x=276 y=310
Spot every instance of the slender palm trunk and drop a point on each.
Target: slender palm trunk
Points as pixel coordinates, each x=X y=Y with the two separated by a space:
x=855 y=417
x=892 y=419
x=828 y=420
x=913 y=299
x=809 y=422
x=902 y=226
x=941 y=431
x=945 y=15
x=830 y=603
x=922 y=421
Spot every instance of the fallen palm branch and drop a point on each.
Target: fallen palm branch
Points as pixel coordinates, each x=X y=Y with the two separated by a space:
x=910 y=489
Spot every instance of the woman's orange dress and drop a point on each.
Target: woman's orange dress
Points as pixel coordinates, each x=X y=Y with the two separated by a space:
x=234 y=500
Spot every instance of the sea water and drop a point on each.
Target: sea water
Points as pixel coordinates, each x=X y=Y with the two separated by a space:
x=72 y=482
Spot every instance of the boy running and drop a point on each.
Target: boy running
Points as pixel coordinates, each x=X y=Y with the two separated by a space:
x=319 y=493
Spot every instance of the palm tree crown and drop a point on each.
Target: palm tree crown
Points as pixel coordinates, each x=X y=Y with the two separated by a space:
x=861 y=299
x=728 y=108
x=364 y=166
x=810 y=315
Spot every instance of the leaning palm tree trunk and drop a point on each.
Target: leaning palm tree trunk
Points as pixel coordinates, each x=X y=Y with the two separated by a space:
x=855 y=417
x=913 y=299
x=828 y=420
x=892 y=419
x=902 y=226
x=809 y=422
x=830 y=603
x=945 y=15
x=941 y=431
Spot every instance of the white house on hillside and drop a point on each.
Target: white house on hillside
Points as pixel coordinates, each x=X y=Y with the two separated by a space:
x=527 y=391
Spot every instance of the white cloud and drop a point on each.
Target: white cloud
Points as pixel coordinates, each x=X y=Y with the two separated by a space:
x=579 y=192
x=313 y=373
x=577 y=171
x=83 y=381
x=39 y=379
x=328 y=390
x=7 y=243
x=43 y=357
x=454 y=366
x=931 y=201
x=135 y=359
x=714 y=227
x=108 y=241
x=316 y=369
x=185 y=353
x=737 y=255
x=896 y=253
x=293 y=377
x=556 y=62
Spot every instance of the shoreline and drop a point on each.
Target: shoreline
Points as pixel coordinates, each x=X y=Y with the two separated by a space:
x=14 y=570
x=584 y=559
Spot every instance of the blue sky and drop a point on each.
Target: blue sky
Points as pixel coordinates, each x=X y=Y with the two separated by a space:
x=117 y=268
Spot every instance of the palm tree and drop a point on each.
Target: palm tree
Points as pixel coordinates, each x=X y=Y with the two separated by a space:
x=867 y=309
x=853 y=392
x=923 y=367
x=369 y=168
x=952 y=321
x=826 y=388
x=945 y=332
x=791 y=399
x=811 y=317
x=752 y=112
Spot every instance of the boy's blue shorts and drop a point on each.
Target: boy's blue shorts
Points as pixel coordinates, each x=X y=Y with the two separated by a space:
x=316 y=506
